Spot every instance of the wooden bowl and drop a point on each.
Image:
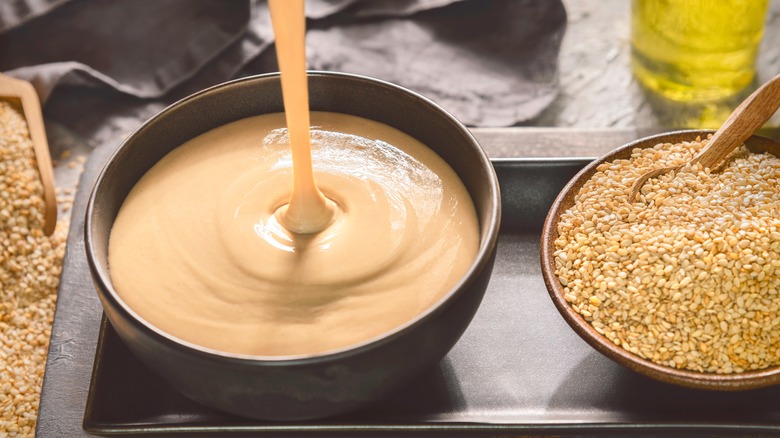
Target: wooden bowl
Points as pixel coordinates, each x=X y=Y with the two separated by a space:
x=692 y=379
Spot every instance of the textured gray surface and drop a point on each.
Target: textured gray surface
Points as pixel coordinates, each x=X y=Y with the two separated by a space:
x=75 y=330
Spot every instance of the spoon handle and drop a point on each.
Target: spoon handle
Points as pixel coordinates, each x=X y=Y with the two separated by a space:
x=742 y=123
x=31 y=107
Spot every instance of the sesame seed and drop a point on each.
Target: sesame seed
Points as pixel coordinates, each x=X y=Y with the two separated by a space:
x=699 y=254
x=30 y=266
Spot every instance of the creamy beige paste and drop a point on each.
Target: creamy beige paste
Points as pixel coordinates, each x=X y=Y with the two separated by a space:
x=308 y=210
x=197 y=249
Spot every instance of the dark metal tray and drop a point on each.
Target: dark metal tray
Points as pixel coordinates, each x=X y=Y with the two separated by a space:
x=519 y=369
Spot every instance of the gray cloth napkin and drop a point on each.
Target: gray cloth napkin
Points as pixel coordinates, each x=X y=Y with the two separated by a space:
x=103 y=67
x=490 y=63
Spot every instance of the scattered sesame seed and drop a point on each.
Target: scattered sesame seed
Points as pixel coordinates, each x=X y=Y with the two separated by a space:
x=30 y=266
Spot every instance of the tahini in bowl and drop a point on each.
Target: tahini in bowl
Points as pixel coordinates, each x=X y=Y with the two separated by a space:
x=309 y=386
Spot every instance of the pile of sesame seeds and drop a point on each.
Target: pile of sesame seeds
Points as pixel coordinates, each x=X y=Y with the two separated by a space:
x=688 y=275
x=30 y=266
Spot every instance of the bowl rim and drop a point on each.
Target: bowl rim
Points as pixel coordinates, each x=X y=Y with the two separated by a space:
x=490 y=229
x=692 y=379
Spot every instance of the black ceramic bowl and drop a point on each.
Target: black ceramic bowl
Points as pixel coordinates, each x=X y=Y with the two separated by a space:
x=318 y=385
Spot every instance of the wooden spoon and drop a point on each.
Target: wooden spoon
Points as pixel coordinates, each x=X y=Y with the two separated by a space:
x=23 y=94
x=741 y=124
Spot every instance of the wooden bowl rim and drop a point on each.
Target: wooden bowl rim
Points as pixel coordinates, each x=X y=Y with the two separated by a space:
x=692 y=379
